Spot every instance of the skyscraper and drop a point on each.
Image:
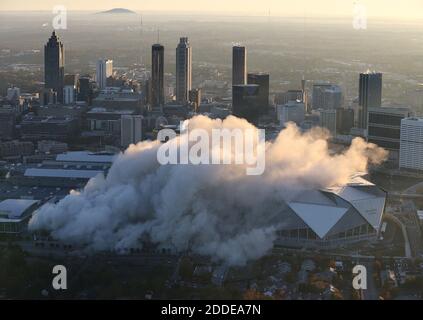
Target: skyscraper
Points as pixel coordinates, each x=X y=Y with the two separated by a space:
x=370 y=95
x=183 y=70
x=104 y=70
x=54 y=66
x=157 y=75
x=263 y=80
x=239 y=65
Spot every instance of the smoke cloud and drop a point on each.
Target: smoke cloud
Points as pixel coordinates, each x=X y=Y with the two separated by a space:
x=213 y=210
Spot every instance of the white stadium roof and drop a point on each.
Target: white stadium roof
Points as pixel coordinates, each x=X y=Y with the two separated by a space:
x=332 y=210
x=61 y=173
x=320 y=218
x=15 y=208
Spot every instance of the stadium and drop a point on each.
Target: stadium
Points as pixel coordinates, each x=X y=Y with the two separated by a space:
x=333 y=217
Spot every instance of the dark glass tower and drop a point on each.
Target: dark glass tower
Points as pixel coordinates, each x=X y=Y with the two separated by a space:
x=370 y=95
x=263 y=80
x=54 y=66
x=157 y=75
x=183 y=71
x=239 y=65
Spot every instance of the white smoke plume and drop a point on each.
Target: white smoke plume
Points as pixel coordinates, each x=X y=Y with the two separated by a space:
x=213 y=210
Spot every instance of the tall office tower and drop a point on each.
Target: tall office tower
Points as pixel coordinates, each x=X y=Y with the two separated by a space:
x=263 y=80
x=411 y=150
x=239 y=65
x=131 y=130
x=104 y=70
x=183 y=71
x=54 y=66
x=370 y=95
x=157 y=75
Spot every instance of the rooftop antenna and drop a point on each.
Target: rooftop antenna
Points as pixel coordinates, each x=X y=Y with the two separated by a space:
x=158 y=35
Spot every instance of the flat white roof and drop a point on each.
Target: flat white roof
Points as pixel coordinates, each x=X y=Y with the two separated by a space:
x=61 y=173
x=15 y=208
x=85 y=156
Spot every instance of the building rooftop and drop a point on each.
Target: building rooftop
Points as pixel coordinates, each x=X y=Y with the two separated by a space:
x=391 y=110
x=86 y=156
x=415 y=119
x=15 y=208
x=62 y=173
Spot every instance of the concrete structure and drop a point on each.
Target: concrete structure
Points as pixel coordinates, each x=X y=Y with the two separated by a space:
x=239 y=65
x=7 y=123
x=411 y=145
x=70 y=89
x=54 y=66
x=85 y=90
x=16 y=149
x=335 y=216
x=344 y=121
x=15 y=214
x=183 y=71
x=13 y=93
x=103 y=71
x=131 y=130
x=195 y=98
x=290 y=95
x=293 y=111
x=49 y=128
x=327 y=96
x=328 y=120
x=384 y=129
x=51 y=147
x=118 y=99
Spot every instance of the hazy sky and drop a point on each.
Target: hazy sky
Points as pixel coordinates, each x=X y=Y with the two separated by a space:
x=412 y=9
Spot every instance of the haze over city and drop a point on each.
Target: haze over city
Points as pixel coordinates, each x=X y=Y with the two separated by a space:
x=406 y=9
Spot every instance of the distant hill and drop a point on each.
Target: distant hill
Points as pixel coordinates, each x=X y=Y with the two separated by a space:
x=118 y=11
